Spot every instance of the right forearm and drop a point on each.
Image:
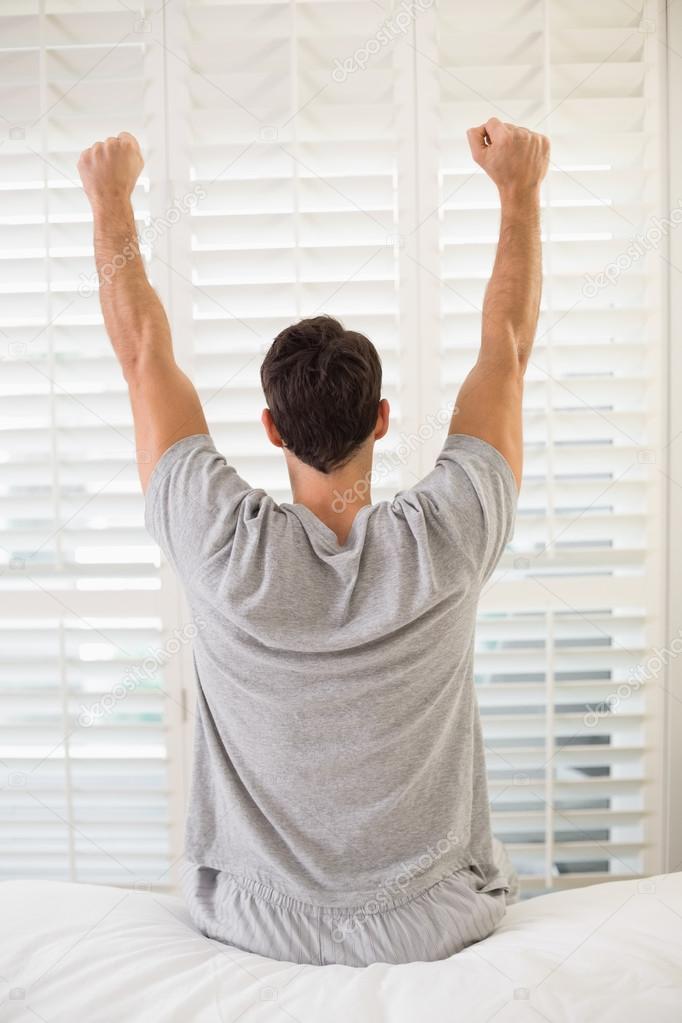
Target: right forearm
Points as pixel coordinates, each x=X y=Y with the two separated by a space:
x=489 y=404
x=512 y=299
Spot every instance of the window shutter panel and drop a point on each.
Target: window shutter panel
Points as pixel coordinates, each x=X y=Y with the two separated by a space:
x=566 y=623
x=299 y=161
x=85 y=744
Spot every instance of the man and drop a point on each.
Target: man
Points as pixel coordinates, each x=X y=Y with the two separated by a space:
x=339 y=810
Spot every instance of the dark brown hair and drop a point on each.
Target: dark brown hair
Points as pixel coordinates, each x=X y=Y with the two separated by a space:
x=322 y=384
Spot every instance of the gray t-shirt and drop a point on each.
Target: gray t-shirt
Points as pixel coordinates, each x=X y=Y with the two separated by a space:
x=337 y=741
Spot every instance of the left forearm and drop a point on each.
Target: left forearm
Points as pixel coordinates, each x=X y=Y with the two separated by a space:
x=133 y=315
x=166 y=406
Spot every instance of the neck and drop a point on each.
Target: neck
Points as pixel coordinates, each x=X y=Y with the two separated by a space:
x=337 y=497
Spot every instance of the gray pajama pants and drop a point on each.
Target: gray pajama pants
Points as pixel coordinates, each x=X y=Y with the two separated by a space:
x=435 y=924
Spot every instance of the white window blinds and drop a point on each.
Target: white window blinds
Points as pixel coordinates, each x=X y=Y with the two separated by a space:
x=566 y=623
x=315 y=152
x=301 y=209
x=85 y=786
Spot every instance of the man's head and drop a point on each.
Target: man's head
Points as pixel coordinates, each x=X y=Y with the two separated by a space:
x=322 y=384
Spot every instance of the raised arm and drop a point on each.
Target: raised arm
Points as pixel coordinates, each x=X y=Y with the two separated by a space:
x=165 y=404
x=490 y=399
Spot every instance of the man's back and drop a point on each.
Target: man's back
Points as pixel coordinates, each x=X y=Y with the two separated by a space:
x=337 y=746
x=339 y=788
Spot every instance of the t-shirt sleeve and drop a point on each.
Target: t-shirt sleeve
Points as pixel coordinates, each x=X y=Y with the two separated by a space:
x=469 y=503
x=192 y=505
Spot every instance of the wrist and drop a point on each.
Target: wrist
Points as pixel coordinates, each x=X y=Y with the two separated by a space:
x=110 y=205
x=520 y=196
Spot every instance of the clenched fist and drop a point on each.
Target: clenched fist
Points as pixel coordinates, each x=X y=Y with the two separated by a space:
x=515 y=158
x=110 y=169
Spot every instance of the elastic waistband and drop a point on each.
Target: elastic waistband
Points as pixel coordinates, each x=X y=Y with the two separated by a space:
x=209 y=881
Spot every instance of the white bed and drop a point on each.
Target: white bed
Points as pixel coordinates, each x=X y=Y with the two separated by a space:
x=85 y=954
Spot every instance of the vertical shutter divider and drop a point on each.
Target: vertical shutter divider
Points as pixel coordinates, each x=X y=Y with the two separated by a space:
x=550 y=749
x=55 y=450
x=550 y=767
x=169 y=131
x=418 y=247
x=295 y=145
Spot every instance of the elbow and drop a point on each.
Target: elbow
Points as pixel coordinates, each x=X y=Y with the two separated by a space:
x=144 y=363
x=129 y=369
x=522 y=361
x=507 y=345
x=512 y=356
x=520 y=347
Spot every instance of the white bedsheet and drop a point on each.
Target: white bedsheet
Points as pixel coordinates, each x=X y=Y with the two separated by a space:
x=86 y=954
